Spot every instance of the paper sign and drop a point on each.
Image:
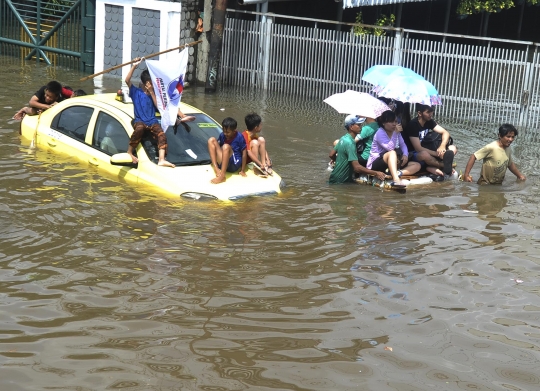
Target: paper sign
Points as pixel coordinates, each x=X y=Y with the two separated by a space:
x=191 y=153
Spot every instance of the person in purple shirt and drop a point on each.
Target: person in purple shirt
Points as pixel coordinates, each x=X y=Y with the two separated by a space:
x=389 y=150
x=228 y=153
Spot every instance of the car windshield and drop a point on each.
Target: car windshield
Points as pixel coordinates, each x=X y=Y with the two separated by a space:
x=187 y=143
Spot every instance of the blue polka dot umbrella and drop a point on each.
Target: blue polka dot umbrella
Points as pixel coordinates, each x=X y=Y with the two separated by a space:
x=409 y=89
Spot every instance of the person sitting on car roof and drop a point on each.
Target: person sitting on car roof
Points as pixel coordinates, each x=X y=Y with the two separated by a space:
x=144 y=106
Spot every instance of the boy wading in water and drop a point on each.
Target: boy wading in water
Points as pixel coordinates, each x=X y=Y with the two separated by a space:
x=228 y=152
x=45 y=98
x=497 y=157
x=144 y=106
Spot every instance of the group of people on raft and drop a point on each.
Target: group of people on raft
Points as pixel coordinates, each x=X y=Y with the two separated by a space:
x=395 y=145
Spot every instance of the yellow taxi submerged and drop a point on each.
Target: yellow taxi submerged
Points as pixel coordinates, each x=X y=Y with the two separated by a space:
x=96 y=129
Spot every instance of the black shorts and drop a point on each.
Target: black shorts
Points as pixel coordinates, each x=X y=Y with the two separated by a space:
x=379 y=164
x=363 y=162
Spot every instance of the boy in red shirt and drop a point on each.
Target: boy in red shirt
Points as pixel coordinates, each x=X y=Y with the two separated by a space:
x=256 y=144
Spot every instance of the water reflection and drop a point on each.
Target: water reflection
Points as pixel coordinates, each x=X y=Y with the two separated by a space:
x=107 y=286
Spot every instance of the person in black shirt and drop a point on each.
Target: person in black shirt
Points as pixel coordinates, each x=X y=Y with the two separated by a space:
x=436 y=159
x=46 y=97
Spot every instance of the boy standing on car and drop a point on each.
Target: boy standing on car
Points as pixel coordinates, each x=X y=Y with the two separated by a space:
x=228 y=152
x=144 y=106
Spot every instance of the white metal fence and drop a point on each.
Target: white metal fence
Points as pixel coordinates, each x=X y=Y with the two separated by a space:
x=483 y=80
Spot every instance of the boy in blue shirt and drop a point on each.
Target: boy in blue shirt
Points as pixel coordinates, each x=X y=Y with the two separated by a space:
x=144 y=106
x=228 y=152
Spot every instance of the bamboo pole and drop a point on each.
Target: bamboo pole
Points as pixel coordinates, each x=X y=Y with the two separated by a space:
x=132 y=61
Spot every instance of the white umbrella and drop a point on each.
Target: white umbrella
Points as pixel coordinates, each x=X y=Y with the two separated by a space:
x=358 y=103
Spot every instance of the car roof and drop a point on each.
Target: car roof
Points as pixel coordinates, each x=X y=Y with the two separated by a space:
x=127 y=107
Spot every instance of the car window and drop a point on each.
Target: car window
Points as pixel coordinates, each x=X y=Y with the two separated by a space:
x=187 y=143
x=73 y=121
x=109 y=135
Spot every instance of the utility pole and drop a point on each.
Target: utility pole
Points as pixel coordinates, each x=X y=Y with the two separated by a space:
x=204 y=47
x=216 y=40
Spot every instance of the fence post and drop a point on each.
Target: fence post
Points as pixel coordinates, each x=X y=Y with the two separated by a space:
x=524 y=103
x=266 y=52
x=397 y=47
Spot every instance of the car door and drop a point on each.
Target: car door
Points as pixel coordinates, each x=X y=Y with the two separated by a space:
x=68 y=129
x=109 y=136
x=73 y=131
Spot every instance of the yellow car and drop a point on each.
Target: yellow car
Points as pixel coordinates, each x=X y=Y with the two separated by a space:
x=96 y=129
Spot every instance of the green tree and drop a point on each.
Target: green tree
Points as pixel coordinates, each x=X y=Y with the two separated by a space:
x=385 y=21
x=469 y=7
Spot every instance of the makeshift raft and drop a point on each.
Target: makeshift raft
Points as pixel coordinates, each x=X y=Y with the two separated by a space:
x=411 y=180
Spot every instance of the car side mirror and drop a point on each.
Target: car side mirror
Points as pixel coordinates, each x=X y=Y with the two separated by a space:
x=122 y=159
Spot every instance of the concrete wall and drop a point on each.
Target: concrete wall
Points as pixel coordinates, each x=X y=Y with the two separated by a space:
x=126 y=29
x=188 y=34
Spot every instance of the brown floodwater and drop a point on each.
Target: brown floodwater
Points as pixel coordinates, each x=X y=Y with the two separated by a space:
x=105 y=287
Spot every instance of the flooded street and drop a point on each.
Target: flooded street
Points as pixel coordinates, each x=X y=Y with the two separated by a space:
x=104 y=286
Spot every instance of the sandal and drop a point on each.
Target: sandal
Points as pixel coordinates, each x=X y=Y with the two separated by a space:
x=399 y=185
x=264 y=173
x=448 y=159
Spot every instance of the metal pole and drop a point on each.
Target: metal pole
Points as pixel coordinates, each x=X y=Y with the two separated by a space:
x=266 y=65
x=262 y=45
x=264 y=11
x=339 y=16
x=399 y=13
x=447 y=18
x=214 y=57
x=397 y=47
x=38 y=30
x=520 y=22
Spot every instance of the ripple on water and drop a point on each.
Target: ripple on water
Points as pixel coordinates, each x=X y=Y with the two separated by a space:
x=110 y=287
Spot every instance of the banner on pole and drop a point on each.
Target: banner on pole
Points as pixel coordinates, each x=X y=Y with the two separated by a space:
x=168 y=81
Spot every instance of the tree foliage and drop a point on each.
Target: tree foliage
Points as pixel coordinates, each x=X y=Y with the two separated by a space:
x=385 y=21
x=469 y=7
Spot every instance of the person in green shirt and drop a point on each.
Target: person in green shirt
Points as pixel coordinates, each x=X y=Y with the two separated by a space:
x=345 y=157
x=366 y=135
